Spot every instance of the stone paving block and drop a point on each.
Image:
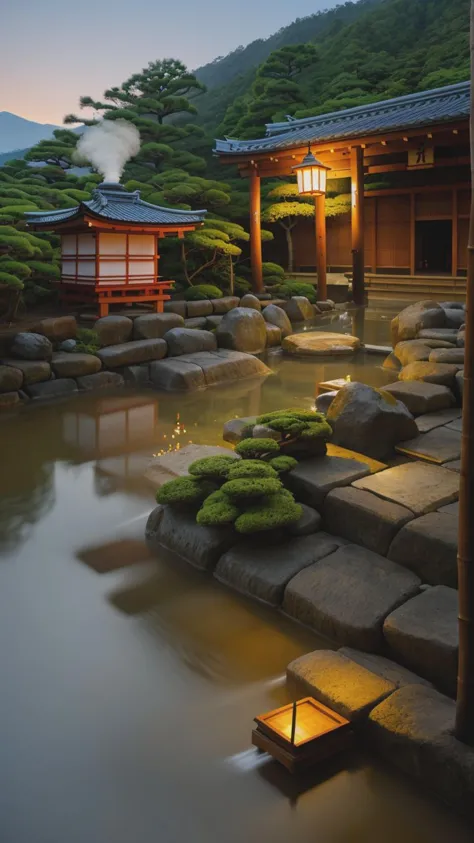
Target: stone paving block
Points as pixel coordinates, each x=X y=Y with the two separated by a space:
x=202 y=547
x=263 y=571
x=309 y=523
x=364 y=518
x=456 y=424
x=438 y=446
x=421 y=397
x=391 y=671
x=417 y=486
x=429 y=421
x=429 y=547
x=176 y=375
x=221 y=367
x=451 y=509
x=312 y=479
x=338 y=682
x=423 y=635
x=347 y=596
x=455 y=465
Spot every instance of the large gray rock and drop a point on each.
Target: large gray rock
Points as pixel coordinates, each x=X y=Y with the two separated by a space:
x=312 y=479
x=347 y=596
x=411 y=351
x=299 y=309
x=439 y=445
x=423 y=635
x=453 y=305
x=443 y=374
x=250 y=301
x=309 y=523
x=324 y=401
x=234 y=428
x=273 y=335
x=11 y=379
x=187 y=341
x=381 y=666
x=429 y=547
x=137 y=375
x=454 y=317
x=447 y=355
x=176 y=463
x=113 y=330
x=178 y=307
x=364 y=518
x=443 y=334
x=224 y=365
x=421 y=397
x=416 y=317
x=131 y=353
x=176 y=375
x=56 y=388
x=34 y=371
x=57 y=328
x=263 y=570
x=199 y=308
x=366 y=421
x=74 y=365
x=242 y=329
x=200 y=546
x=100 y=380
x=339 y=683
x=197 y=323
x=8 y=401
x=418 y=486
x=324 y=306
x=275 y=315
x=226 y=304
x=155 y=325
x=29 y=346
x=213 y=321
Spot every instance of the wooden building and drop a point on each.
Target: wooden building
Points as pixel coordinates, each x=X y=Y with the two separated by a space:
x=408 y=170
x=110 y=246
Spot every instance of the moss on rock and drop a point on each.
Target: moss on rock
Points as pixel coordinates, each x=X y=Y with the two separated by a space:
x=280 y=510
x=253 y=487
x=283 y=464
x=252 y=468
x=185 y=491
x=255 y=448
x=213 y=468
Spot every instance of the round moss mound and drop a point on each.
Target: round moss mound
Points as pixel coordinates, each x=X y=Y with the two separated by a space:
x=185 y=491
x=214 y=468
x=317 y=430
x=252 y=468
x=217 y=511
x=257 y=448
x=201 y=292
x=251 y=488
x=278 y=511
x=288 y=425
x=294 y=412
x=283 y=464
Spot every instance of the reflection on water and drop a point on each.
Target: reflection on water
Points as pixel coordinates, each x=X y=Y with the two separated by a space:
x=130 y=683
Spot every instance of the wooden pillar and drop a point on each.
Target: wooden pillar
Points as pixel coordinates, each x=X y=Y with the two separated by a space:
x=374 y=236
x=412 y=233
x=454 y=259
x=357 y=224
x=321 y=261
x=255 y=232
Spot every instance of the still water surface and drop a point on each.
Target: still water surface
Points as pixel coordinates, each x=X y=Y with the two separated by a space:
x=129 y=683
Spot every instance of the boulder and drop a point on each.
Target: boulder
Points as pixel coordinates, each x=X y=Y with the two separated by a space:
x=423 y=635
x=198 y=322
x=262 y=431
x=418 y=486
x=225 y=304
x=56 y=388
x=453 y=305
x=416 y=317
x=176 y=375
x=213 y=321
x=137 y=375
x=57 y=328
x=454 y=317
x=199 y=308
x=365 y=420
x=100 y=380
x=309 y=523
x=324 y=306
x=34 y=371
x=299 y=309
x=411 y=351
x=155 y=325
x=250 y=301
x=347 y=596
x=275 y=315
x=443 y=374
x=441 y=334
x=11 y=380
x=9 y=400
x=421 y=397
x=273 y=335
x=320 y=344
x=223 y=366
x=178 y=532
x=429 y=547
x=187 y=341
x=324 y=401
x=113 y=330
x=234 y=428
x=175 y=464
x=364 y=518
x=30 y=346
x=447 y=355
x=392 y=362
x=66 y=365
x=312 y=479
x=178 y=307
x=242 y=329
x=67 y=345
x=130 y=353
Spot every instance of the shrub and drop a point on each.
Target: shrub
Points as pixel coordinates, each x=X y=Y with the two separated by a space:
x=251 y=468
x=241 y=286
x=272 y=269
x=257 y=448
x=252 y=487
x=287 y=425
x=280 y=510
x=297 y=288
x=283 y=464
x=185 y=491
x=217 y=510
x=201 y=292
x=317 y=430
x=87 y=341
x=299 y=424
x=302 y=415
x=212 y=468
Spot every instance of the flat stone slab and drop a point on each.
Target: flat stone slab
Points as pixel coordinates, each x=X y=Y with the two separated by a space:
x=439 y=334
x=364 y=518
x=52 y=389
x=421 y=397
x=312 y=479
x=430 y=421
x=101 y=380
x=455 y=465
x=309 y=523
x=131 y=353
x=176 y=375
x=439 y=446
x=429 y=547
x=418 y=486
x=263 y=571
x=201 y=546
x=455 y=424
x=347 y=596
x=320 y=343
x=34 y=371
x=225 y=365
x=176 y=463
x=155 y=325
x=74 y=365
x=447 y=355
x=383 y=667
x=189 y=340
x=423 y=635
x=451 y=509
x=339 y=682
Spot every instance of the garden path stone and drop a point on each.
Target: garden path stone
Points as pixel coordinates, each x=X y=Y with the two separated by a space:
x=338 y=682
x=455 y=465
x=418 y=486
x=312 y=479
x=456 y=424
x=347 y=596
x=52 y=389
x=101 y=380
x=262 y=569
x=364 y=518
x=131 y=353
x=30 y=346
x=176 y=375
x=429 y=421
x=320 y=344
x=113 y=330
x=176 y=463
x=451 y=509
x=391 y=671
x=421 y=397
x=34 y=371
x=74 y=365
x=188 y=340
x=423 y=635
x=438 y=446
x=429 y=546
x=153 y=326
x=201 y=546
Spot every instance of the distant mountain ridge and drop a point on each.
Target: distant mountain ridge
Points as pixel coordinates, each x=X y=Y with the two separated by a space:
x=18 y=133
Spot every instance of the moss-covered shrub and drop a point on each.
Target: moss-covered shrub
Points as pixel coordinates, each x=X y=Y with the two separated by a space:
x=87 y=341
x=250 y=449
x=251 y=468
x=317 y=430
x=212 y=468
x=270 y=514
x=201 y=292
x=296 y=288
x=185 y=491
x=302 y=425
x=247 y=489
x=283 y=464
x=217 y=510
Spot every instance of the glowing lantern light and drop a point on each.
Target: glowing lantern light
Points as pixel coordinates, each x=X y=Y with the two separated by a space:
x=311 y=176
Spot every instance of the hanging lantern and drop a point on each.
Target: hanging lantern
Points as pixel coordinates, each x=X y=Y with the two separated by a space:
x=311 y=175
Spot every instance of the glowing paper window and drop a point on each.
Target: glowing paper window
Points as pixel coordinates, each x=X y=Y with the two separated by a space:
x=311 y=176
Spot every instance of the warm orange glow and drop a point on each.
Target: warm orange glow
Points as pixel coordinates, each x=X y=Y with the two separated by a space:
x=309 y=723
x=311 y=176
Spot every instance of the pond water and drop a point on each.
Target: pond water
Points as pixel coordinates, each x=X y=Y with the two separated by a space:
x=129 y=683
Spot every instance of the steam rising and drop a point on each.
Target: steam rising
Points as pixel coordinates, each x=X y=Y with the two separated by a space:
x=108 y=146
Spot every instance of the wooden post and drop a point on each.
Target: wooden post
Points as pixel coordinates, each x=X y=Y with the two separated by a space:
x=412 y=233
x=454 y=259
x=357 y=224
x=255 y=232
x=374 y=236
x=321 y=261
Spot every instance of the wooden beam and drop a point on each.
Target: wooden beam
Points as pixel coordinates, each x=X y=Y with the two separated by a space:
x=321 y=261
x=412 y=232
x=357 y=224
x=454 y=258
x=256 y=232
